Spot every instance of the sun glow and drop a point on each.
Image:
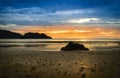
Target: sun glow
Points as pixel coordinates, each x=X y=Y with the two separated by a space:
x=83 y=20
x=72 y=31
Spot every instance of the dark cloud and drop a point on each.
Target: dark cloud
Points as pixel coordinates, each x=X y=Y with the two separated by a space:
x=46 y=11
x=58 y=3
x=61 y=4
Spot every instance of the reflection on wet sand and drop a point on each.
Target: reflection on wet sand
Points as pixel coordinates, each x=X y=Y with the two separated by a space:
x=25 y=45
x=59 y=64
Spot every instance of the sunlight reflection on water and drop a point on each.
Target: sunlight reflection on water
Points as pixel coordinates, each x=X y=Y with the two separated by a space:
x=56 y=44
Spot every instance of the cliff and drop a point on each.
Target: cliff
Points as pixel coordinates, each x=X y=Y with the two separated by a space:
x=5 y=34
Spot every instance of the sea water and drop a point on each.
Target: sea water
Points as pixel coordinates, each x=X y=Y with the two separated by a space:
x=57 y=44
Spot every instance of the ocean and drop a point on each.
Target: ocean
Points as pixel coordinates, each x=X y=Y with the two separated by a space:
x=57 y=44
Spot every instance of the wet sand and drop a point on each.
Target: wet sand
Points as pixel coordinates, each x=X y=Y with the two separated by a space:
x=72 y=64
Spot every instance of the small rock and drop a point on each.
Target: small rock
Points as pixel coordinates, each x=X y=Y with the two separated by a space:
x=73 y=46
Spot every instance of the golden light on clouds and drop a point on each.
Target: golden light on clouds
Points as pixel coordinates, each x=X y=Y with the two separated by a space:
x=72 y=31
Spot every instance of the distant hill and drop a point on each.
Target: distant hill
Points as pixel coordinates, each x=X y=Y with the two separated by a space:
x=5 y=34
x=31 y=35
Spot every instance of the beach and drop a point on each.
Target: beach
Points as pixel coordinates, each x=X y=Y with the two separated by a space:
x=41 y=59
x=58 y=64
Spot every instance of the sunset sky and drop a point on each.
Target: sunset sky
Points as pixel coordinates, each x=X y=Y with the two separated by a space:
x=62 y=18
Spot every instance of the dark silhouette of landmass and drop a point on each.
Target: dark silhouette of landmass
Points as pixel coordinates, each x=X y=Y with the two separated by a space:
x=73 y=46
x=5 y=34
x=35 y=35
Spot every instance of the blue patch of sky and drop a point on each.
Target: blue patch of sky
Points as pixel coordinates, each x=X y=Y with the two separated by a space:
x=43 y=12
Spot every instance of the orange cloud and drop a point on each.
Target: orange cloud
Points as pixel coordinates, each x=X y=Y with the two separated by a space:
x=69 y=31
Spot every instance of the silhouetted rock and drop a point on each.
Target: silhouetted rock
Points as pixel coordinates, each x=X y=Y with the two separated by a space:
x=5 y=34
x=73 y=46
x=35 y=36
